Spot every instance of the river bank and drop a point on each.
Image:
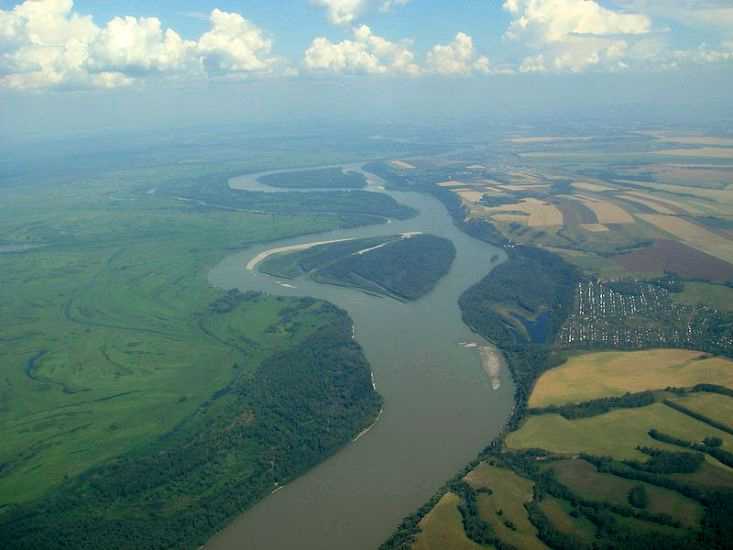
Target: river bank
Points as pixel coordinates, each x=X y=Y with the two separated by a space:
x=430 y=387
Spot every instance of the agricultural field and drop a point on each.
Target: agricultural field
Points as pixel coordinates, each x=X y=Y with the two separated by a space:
x=617 y=433
x=442 y=528
x=610 y=213
x=622 y=423
x=589 y=376
x=608 y=467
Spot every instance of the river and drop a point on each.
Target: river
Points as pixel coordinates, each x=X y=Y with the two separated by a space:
x=440 y=408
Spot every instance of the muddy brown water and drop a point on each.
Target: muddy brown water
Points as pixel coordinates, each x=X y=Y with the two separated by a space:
x=439 y=406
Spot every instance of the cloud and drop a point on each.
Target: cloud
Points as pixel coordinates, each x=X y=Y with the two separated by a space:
x=456 y=58
x=346 y=12
x=573 y=35
x=367 y=53
x=45 y=44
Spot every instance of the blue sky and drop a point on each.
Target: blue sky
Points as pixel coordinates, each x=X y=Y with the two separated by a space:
x=246 y=53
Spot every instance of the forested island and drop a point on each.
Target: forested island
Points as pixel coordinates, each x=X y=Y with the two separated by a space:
x=332 y=178
x=405 y=267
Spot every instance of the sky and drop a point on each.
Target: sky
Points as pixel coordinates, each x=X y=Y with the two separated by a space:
x=68 y=65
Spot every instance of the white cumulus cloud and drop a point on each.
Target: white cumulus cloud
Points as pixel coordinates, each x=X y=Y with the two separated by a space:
x=46 y=44
x=367 y=53
x=456 y=58
x=573 y=35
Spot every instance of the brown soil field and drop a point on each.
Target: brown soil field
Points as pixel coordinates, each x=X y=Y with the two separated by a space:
x=510 y=218
x=668 y=256
x=694 y=235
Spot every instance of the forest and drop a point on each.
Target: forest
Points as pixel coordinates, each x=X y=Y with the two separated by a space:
x=254 y=435
x=334 y=178
x=401 y=267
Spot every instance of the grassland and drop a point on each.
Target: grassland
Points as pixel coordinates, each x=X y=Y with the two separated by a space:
x=711 y=295
x=593 y=375
x=117 y=355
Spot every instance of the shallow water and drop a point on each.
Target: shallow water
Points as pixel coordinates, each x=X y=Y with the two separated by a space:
x=439 y=406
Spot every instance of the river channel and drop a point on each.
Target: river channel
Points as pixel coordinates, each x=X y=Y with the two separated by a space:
x=439 y=411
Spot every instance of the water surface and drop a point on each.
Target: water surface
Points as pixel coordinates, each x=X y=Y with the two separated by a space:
x=439 y=406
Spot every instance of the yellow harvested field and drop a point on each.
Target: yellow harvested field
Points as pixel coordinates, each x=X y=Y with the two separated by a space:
x=402 y=165
x=605 y=211
x=617 y=433
x=716 y=195
x=588 y=186
x=510 y=218
x=451 y=183
x=528 y=187
x=471 y=196
x=594 y=375
x=658 y=208
x=547 y=139
x=594 y=227
x=691 y=139
x=694 y=235
x=701 y=152
x=442 y=528
x=541 y=213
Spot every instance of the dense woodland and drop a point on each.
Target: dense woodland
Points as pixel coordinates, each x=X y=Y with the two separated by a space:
x=405 y=268
x=354 y=207
x=259 y=432
x=316 y=179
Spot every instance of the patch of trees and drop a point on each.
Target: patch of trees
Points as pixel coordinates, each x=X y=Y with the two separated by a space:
x=314 y=179
x=301 y=406
x=667 y=462
x=355 y=207
x=726 y=457
x=598 y=407
x=406 y=268
x=637 y=497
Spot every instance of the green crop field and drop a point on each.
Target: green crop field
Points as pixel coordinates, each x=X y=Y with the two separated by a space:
x=616 y=434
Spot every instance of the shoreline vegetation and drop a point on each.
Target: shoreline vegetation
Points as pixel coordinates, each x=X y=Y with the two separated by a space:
x=405 y=266
x=231 y=395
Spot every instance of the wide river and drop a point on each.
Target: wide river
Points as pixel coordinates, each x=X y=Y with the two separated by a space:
x=439 y=406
